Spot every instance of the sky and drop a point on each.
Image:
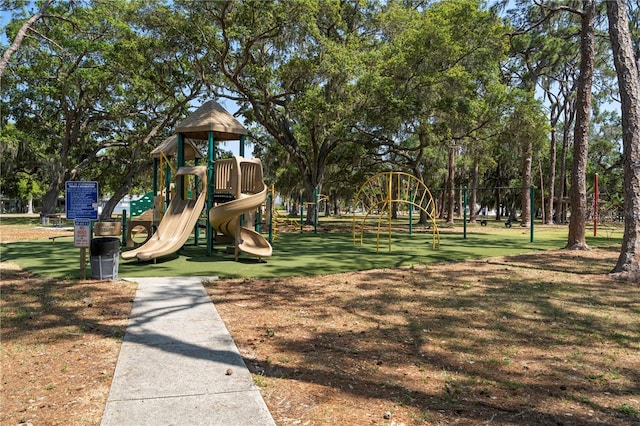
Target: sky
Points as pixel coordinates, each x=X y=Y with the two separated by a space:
x=5 y=18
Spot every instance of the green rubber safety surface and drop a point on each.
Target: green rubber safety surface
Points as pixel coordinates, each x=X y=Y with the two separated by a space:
x=304 y=254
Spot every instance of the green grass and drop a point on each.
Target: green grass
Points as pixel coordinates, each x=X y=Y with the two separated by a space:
x=303 y=254
x=20 y=220
x=628 y=410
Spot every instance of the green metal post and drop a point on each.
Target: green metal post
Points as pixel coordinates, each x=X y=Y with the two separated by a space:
x=211 y=155
x=180 y=155
x=464 y=207
x=242 y=138
x=155 y=176
x=196 y=229
x=533 y=209
x=156 y=164
x=315 y=219
x=124 y=228
x=167 y=185
x=270 y=198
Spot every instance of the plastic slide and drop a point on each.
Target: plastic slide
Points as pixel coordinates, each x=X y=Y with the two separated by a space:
x=177 y=224
x=225 y=218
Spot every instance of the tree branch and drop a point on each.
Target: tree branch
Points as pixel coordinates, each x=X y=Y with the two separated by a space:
x=551 y=12
x=22 y=32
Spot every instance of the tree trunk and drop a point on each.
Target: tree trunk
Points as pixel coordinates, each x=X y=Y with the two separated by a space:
x=578 y=194
x=418 y=196
x=569 y=116
x=451 y=178
x=56 y=185
x=424 y=218
x=127 y=183
x=628 y=265
x=473 y=196
x=443 y=197
x=309 y=203
x=50 y=200
x=552 y=178
x=525 y=198
x=111 y=204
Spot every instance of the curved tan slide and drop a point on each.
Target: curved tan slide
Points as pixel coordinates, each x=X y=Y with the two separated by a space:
x=177 y=224
x=225 y=218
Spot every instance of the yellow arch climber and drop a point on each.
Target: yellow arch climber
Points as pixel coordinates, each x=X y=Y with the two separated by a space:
x=379 y=195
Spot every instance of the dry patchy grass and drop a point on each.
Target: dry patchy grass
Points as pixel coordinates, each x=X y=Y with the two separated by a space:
x=60 y=343
x=549 y=339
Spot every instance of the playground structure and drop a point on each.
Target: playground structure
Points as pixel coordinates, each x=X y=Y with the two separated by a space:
x=177 y=223
x=274 y=218
x=315 y=205
x=384 y=194
x=143 y=217
x=511 y=210
x=242 y=179
x=230 y=189
x=294 y=219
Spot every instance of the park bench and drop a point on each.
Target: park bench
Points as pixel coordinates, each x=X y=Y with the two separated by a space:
x=55 y=237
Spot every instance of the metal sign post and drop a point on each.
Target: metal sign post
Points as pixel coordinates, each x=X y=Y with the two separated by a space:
x=81 y=202
x=82 y=239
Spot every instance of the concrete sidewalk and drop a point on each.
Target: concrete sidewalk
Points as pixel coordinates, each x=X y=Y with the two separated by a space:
x=178 y=364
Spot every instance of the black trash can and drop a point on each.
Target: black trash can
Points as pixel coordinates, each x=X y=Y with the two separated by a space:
x=105 y=253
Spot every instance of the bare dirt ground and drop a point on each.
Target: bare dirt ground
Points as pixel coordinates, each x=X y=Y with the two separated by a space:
x=60 y=342
x=548 y=339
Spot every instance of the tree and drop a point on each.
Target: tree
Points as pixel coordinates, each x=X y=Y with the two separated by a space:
x=98 y=91
x=20 y=160
x=544 y=57
x=291 y=66
x=526 y=129
x=578 y=195
x=167 y=73
x=22 y=32
x=432 y=87
x=605 y=159
x=633 y=13
x=549 y=57
x=628 y=265
x=558 y=81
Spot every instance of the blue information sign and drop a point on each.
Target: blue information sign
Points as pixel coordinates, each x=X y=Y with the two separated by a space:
x=81 y=200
